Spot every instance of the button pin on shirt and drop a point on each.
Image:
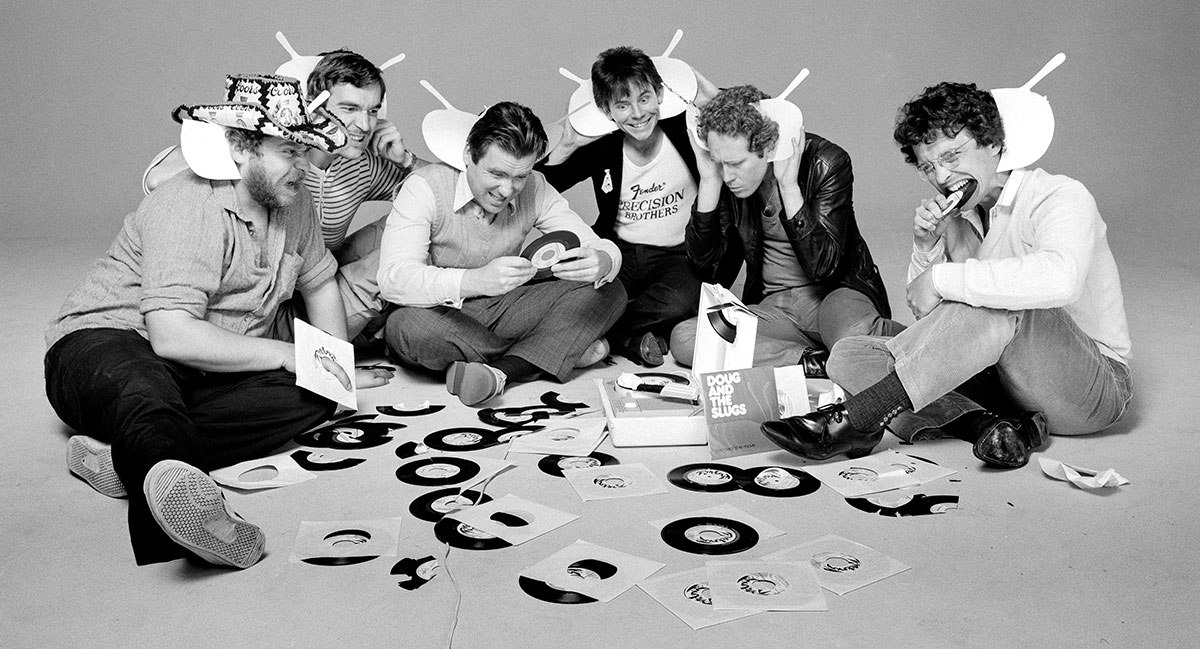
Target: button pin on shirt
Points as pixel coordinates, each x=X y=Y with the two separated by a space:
x=607 y=185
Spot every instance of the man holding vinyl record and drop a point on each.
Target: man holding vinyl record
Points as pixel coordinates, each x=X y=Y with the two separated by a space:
x=781 y=199
x=1021 y=328
x=450 y=258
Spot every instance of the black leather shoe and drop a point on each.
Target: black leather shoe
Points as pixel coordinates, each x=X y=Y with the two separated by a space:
x=822 y=434
x=646 y=349
x=813 y=361
x=1008 y=443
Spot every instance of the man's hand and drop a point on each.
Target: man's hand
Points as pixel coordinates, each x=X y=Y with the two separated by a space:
x=498 y=277
x=583 y=265
x=930 y=222
x=387 y=143
x=372 y=377
x=922 y=295
x=570 y=141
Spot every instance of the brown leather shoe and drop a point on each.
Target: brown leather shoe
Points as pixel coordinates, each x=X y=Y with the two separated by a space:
x=1008 y=443
x=822 y=434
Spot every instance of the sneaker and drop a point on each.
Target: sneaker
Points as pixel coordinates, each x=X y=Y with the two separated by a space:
x=474 y=383
x=595 y=352
x=91 y=460
x=191 y=509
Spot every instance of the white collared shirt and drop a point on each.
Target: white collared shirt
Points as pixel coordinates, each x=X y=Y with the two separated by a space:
x=1046 y=248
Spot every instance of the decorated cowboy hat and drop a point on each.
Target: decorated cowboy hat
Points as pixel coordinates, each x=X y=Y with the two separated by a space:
x=1028 y=120
x=777 y=109
x=301 y=67
x=268 y=104
x=446 y=129
x=679 y=81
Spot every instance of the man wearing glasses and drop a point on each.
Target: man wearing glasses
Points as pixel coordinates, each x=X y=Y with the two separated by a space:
x=1021 y=328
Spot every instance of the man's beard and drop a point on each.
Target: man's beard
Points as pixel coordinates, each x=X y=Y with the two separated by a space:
x=262 y=191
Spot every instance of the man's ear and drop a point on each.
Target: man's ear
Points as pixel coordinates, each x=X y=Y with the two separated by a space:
x=240 y=156
x=769 y=151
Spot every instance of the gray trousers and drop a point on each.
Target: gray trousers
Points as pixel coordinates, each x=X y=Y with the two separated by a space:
x=548 y=323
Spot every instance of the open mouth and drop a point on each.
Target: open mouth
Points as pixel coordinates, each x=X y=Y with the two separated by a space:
x=960 y=192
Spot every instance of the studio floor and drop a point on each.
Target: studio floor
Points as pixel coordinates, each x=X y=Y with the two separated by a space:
x=1024 y=561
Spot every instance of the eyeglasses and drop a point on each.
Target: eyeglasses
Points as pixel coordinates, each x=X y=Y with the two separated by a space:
x=948 y=160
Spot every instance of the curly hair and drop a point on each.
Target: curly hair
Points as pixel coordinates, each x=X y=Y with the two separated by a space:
x=344 y=66
x=732 y=113
x=246 y=140
x=618 y=69
x=512 y=127
x=945 y=110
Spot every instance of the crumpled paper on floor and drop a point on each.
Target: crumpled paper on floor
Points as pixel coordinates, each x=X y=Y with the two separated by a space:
x=1081 y=477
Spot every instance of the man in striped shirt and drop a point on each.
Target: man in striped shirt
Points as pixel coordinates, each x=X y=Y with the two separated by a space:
x=369 y=168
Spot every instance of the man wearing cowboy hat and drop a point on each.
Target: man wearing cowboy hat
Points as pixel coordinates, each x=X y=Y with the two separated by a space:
x=809 y=274
x=171 y=349
x=1021 y=326
x=370 y=167
x=450 y=260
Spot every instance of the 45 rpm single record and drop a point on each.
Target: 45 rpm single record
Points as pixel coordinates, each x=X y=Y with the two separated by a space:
x=554 y=400
x=432 y=506
x=709 y=535
x=554 y=464
x=547 y=250
x=393 y=411
x=348 y=435
x=662 y=378
x=516 y=416
x=777 y=482
x=462 y=439
x=463 y=536
x=437 y=471
x=538 y=589
x=705 y=476
x=905 y=504
x=411 y=449
x=339 y=561
x=310 y=461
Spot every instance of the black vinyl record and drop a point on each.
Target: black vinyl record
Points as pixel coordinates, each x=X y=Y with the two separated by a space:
x=547 y=250
x=709 y=535
x=462 y=439
x=437 y=471
x=554 y=400
x=310 y=461
x=516 y=416
x=662 y=378
x=393 y=411
x=348 y=435
x=432 y=506
x=340 y=561
x=411 y=449
x=907 y=505
x=539 y=589
x=706 y=476
x=554 y=464
x=419 y=571
x=777 y=482
x=463 y=536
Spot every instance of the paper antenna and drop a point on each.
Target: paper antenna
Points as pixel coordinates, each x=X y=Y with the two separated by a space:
x=433 y=91
x=800 y=76
x=1046 y=69
x=674 y=41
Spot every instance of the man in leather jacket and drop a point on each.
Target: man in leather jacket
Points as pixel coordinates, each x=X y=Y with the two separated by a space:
x=809 y=275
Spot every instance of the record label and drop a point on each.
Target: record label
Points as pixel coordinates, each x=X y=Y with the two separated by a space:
x=706 y=477
x=709 y=535
x=777 y=482
x=548 y=250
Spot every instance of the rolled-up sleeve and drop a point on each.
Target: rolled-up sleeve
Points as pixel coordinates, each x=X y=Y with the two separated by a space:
x=182 y=252
x=406 y=274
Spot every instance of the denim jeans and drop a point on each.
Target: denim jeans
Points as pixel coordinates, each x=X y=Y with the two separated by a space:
x=109 y=384
x=797 y=318
x=961 y=358
x=661 y=289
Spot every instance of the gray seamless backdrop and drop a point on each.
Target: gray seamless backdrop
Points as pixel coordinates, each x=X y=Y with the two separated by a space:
x=88 y=89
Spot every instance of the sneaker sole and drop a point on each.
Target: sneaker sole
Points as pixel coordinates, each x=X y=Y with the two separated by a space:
x=183 y=499
x=472 y=383
x=83 y=451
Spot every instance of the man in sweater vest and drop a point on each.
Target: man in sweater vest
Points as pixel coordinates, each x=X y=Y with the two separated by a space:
x=451 y=259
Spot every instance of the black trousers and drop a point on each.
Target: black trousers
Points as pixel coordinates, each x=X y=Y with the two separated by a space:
x=109 y=384
x=661 y=289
